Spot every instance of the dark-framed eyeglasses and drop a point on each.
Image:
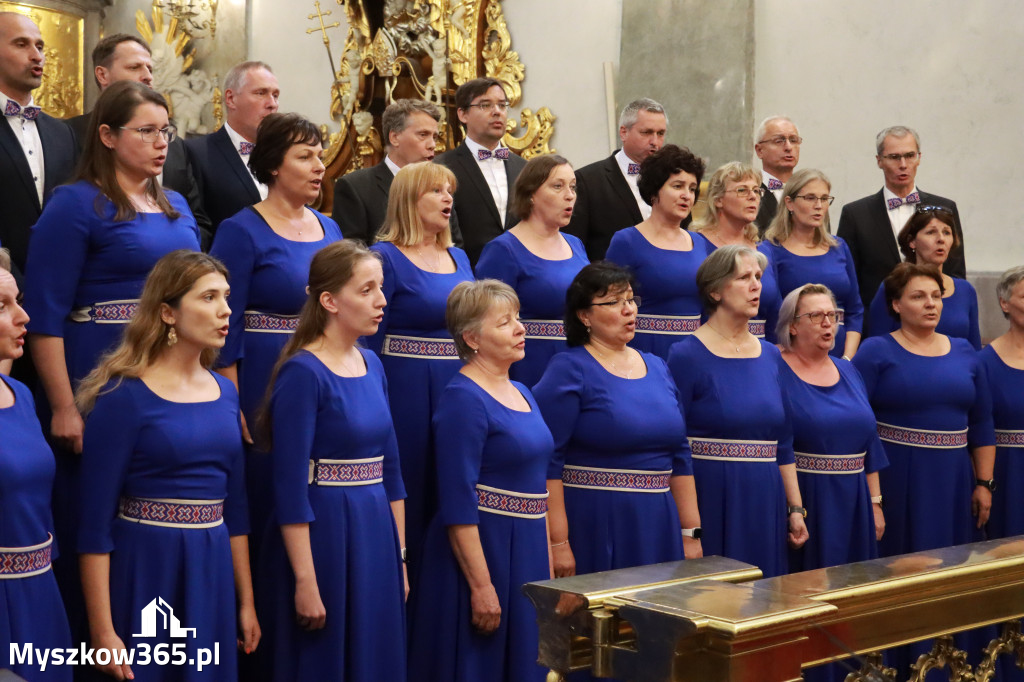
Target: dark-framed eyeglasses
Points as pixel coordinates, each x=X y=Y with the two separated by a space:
x=619 y=303
x=149 y=133
x=818 y=316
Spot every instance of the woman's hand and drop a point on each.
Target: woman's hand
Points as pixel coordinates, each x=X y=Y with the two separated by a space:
x=879 y=521
x=692 y=548
x=245 y=430
x=309 y=608
x=562 y=560
x=113 y=643
x=405 y=579
x=67 y=427
x=981 y=504
x=249 y=628
x=798 y=534
x=486 y=609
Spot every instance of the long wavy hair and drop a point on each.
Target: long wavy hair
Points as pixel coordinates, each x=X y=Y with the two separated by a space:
x=145 y=336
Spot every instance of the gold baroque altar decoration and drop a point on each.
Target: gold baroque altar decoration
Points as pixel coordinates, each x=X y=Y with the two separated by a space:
x=60 y=94
x=420 y=49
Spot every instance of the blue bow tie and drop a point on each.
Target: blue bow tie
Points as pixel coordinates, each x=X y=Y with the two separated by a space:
x=912 y=198
x=499 y=153
x=245 y=148
x=774 y=184
x=633 y=169
x=29 y=113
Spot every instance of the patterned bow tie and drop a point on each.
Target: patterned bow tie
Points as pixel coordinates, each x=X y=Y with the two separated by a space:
x=499 y=153
x=15 y=109
x=245 y=148
x=912 y=198
x=774 y=184
x=633 y=169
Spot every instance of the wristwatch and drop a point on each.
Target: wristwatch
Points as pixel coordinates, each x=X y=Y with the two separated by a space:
x=877 y=500
x=405 y=557
x=990 y=483
x=694 y=533
x=796 y=510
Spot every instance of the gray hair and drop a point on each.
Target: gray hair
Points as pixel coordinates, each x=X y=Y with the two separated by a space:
x=782 y=224
x=895 y=131
x=233 y=80
x=468 y=304
x=787 y=311
x=396 y=117
x=627 y=119
x=1010 y=279
x=720 y=267
x=5 y=260
x=763 y=128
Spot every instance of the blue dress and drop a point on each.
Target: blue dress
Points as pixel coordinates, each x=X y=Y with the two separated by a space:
x=602 y=423
x=138 y=445
x=1007 y=386
x=318 y=415
x=416 y=377
x=31 y=610
x=739 y=433
x=930 y=410
x=541 y=285
x=762 y=326
x=835 y=443
x=485 y=451
x=959 y=314
x=667 y=282
x=834 y=269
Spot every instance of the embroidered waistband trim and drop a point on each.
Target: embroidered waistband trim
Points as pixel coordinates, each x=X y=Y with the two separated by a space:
x=830 y=464
x=544 y=329
x=346 y=471
x=667 y=324
x=511 y=503
x=256 y=321
x=623 y=480
x=172 y=513
x=416 y=347
x=107 y=312
x=25 y=562
x=734 y=450
x=942 y=440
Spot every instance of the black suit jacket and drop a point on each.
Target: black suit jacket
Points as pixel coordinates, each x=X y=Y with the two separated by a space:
x=604 y=205
x=474 y=209
x=19 y=203
x=864 y=225
x=766 y=213
x=225 y=185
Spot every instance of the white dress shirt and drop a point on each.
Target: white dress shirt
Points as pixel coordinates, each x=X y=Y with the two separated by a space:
x=765 y=177
x=236 y=142
x=898 y=216
x=624 y=161
x=494 y=173
x=28 y=137
x=392 y=166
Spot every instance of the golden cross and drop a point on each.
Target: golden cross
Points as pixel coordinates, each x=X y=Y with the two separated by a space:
x=323 y=29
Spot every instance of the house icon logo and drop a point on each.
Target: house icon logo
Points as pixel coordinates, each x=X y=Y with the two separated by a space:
x=159 y=610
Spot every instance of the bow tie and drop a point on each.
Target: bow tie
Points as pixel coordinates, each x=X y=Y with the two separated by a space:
x=245 y=148
x=29 y=113
x=774 y=184
x=633 y=169
x=912 y=198
x=499 y=153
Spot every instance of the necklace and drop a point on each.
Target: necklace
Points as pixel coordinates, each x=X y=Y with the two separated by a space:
x=436 y=267
x=724 y=337
x=611 y=361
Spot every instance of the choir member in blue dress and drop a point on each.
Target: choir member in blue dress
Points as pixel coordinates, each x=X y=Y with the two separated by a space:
x=31 y=610
x=802 y=250
x=927 y=238
x=736 y=419
x=164 y=524
x=733 y=198
x=662 y=255
x=421 y=267
x=621 y=480
x=537 y=260
x=333 y=592
x=88 y=258
x=835 y=442
x=470 y=619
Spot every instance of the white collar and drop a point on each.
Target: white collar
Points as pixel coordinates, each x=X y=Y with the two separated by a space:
x=236 y=139
x=4 y=99
x=392 y=166
x=766 y=176
x=624 y=161
x=474 y=147
x=889 y=194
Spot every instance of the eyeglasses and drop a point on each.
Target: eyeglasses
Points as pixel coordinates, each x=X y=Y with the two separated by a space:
x=814 y=198
x=488 y=106
x=780 y=140
x=619 y=303
x=149 y=133
x=895 y=158
x=744 y=192
x=817 y=317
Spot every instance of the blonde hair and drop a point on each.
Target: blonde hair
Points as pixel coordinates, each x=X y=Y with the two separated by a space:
x=403 y=225
x=782 y=224
x=469 y=302
x=145 y=335
x=734 y=171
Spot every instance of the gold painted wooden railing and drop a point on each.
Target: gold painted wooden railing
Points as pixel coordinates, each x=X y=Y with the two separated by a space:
x=715 y=619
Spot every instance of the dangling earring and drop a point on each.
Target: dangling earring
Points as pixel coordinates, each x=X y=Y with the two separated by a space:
x=172 y=336
x=588 y=329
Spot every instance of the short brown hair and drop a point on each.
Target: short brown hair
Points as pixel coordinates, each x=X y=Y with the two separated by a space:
x=395 y=118
x=276 y=135
x=470 y=90
x=922 y=216
x=103 y=53
x=469 y=302
x=534 y=174
x=900 y=277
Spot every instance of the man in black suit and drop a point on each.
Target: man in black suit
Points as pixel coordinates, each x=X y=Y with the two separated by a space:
x=37 y=152
x=870 y=225
x=220 y=160
x=123 y=57
x=485 y=171
x=607 y=199
x=777 y=144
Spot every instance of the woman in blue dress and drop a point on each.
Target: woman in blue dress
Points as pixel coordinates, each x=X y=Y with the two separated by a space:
x=334 y=589
x=164 y=521
x=927 y=238
x=803 y=251
x=537 y=260
x=88 y=258
x=731 y=395
x=662 y=255
x=835 y=442
x=31 y=610
x=621 y=482
x=733 y=198
x=470 y=620
x=421 y=267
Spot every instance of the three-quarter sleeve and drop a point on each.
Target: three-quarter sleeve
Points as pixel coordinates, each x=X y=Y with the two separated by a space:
x=682 y=462
x=620 y=252
x=879 y=320
x=461 y=427
x=980 y=422
x=868 y=362
x=498 y=262
x=851 y=303
x=234 y=247
x=394 y=486
x=294 y=404
x=559 y=395
x=236 y=506
x=973 y=329
x=376 y=342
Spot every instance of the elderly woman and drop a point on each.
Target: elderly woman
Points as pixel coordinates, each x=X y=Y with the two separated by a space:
x=731 y=394
x=928 y=238
x=341 y=525
x=663 y=256
x=734 y=196
x=799 y=244
x=31 y=610
x=621 y=495
x=1004 y=361
x=471 y=621
x=837 y=450
x=421 y=267
x=537 y=260
x=163 y=491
